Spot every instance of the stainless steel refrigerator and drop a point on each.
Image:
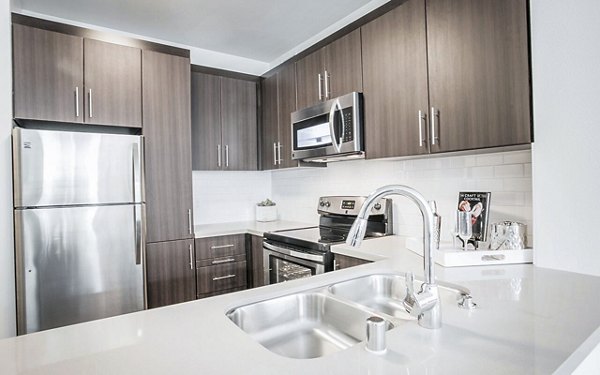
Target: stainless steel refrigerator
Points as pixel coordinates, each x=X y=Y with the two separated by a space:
x=79 y=226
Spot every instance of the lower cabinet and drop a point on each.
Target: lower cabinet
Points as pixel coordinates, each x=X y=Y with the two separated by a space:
x=344 y=261
x=258 y=273
x=170 y=272
x=220 y=265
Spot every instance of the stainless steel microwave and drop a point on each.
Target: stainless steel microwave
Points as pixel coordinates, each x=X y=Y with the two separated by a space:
x=329 y=131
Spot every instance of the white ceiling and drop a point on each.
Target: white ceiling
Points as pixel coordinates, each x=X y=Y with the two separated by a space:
x=261 y=30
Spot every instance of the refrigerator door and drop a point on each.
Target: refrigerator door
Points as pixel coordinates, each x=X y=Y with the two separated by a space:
x=76 y=264
x=56 y=168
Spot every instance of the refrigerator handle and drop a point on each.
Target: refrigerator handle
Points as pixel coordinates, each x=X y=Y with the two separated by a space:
x=139 y=218
x=137 y=159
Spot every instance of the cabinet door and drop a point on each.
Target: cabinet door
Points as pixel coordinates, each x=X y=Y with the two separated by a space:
x=206 y=122
x=343 y=63
x=113 y=84
x=269 y=132
x=170 y=273
x=48 y=75
x=344 y=261
x=167 y=128
x=310 y=89
x=238 y=121
x=258 y=275
x=286 y=94
x=478 y=73
x=395 y=82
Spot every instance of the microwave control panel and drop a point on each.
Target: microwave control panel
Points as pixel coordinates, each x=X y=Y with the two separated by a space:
x=349 y=131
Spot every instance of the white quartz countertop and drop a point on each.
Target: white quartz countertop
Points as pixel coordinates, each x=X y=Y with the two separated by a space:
x=252 y=227
x=530 y=321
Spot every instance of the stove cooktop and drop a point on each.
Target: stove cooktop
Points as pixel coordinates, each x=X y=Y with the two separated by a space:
x=317 y=238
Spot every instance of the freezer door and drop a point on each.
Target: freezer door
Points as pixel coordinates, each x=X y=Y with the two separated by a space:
x=55 y=168
x=76 y=264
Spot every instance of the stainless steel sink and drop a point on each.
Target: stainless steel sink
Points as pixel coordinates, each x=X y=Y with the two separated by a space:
x=382 y=293
x=303 y=325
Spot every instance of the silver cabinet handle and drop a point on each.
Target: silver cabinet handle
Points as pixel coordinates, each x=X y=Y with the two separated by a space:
x=320 y=83
x=191 y=257
x=327 y=91
x=190 y=220
x=76 y=101
x=228 y=260
x=217 y=247
x=227 y=156
x=421 y=118
x=91 y=104
x=223 y=277
x=279 y=160
x=274 y=153
x=432 y=120
x=219 y=155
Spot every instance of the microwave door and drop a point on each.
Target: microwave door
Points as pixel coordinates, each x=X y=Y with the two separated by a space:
x=336 y=125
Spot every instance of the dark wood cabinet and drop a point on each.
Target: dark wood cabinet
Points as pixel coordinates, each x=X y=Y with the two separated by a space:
x=258 y=273
x=395 y=82
x=206 y=120
x=445 y=75
x=113 y=84
x=478 y=73
x=170 y=273
x=239 y=124
x=343 y=261
x=224 y=123
x=221 y=265
x=47 y=75
x=278 y=103
x=166 y=116
x=65 y=78
x=331 y=71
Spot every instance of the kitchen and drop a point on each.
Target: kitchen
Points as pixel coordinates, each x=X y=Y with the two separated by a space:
x=562 y=99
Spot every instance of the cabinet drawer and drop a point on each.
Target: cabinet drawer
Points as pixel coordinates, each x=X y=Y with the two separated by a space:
x=221 y=277
x=221 y=246
x=221 y=260
x=219 y=292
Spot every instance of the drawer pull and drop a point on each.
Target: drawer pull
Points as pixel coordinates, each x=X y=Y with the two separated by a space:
x=223 y=277
x=221 y=247
x=228 y=260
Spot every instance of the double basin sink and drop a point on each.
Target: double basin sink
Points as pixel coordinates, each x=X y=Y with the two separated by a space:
x=322 y=321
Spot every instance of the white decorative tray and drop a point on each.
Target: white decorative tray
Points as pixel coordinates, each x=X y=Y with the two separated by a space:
x=448 y=256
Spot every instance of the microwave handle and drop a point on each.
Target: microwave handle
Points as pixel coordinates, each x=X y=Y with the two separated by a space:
x=334 y=107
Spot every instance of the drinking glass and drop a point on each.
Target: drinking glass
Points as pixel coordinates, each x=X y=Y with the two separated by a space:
x=464 y=227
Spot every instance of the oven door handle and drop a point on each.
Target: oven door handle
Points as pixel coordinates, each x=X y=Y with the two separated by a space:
x=292 y=253
x=334 y=107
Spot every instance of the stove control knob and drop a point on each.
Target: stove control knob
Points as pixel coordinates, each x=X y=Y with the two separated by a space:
x=377 y=206
x=327 y=204
x=321 y=203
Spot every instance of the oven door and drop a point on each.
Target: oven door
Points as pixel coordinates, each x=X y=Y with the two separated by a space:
x=332 y=128
x=284 y=264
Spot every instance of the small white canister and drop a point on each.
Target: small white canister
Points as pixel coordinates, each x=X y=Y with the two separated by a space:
x=266 y=213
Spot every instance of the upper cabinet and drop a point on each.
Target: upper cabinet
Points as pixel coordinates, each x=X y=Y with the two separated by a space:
x=278 y=103
x=331 y=71
x=60 y=77
x=113 y=84
x=446 y=75
x=478 y=74
x=224 y=123
x=47 y=75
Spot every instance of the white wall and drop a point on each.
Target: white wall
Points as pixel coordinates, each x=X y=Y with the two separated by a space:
x=221 y=197
x=566 y=173
x=7 y=286
x=507 y=175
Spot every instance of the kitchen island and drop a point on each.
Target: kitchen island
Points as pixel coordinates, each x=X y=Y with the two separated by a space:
x=528 y=320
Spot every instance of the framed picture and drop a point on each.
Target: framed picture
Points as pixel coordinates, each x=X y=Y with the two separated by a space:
x=478 y=203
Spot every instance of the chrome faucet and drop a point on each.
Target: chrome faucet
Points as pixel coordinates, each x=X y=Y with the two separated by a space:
x=424 y=304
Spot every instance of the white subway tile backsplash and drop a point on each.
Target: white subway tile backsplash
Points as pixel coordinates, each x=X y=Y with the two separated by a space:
x=509 y=170
x=490 y=159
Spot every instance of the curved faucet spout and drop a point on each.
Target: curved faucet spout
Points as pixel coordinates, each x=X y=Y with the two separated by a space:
x=431 y=317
